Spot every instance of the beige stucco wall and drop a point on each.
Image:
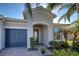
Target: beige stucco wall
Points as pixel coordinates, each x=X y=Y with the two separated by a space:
x=12 y=24
x=2 y=35
x=40 y=16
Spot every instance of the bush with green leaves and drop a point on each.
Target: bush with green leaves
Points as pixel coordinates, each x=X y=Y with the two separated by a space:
x=52 y=43
x=32 y=42
x=63 y=52
x=58 y=44
x=76 y=46
x=64 y=44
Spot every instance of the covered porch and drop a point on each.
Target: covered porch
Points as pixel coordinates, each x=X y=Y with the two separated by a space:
x=40 y=33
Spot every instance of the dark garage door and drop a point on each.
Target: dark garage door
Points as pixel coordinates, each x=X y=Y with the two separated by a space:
x=16 y=38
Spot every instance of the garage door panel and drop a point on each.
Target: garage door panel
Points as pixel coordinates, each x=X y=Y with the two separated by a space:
x=16 y=38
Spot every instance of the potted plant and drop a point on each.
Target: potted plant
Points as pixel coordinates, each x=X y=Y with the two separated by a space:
x=43 y=50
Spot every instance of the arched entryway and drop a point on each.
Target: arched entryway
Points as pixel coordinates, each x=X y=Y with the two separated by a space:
x=40 y=32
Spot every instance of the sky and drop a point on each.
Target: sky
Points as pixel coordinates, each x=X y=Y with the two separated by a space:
x=15 y=10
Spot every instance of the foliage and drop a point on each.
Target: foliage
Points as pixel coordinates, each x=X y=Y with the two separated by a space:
x=32 y=41
x=76 y=46
x=43 y=50
x=50 y=43
x=72 y=8
x=28 y=6
x=63 y=44
x=70 y=42
x=52 y=6
x=63 y=52
x=59 y=44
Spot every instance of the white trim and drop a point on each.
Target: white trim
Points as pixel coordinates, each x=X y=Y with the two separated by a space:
x=15 y=28
x=42 y=23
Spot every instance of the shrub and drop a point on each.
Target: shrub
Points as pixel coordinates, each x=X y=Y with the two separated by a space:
x=70 y=42
x=76 y=46
x=52 y=43
x=63 y=52
x=64 y=44
x=32 y=42
x=59 y=44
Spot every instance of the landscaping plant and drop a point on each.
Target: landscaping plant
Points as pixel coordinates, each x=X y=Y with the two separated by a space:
x=32 y=41
x=59 y=44
x=76 y=46
x=63 y=52
x=43 y=50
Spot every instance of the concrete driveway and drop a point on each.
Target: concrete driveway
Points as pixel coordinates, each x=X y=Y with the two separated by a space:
x=21 y=51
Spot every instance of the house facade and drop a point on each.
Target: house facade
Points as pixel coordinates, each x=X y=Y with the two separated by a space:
x=17 y=32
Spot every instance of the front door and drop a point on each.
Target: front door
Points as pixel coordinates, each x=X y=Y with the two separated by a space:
x=36 y=35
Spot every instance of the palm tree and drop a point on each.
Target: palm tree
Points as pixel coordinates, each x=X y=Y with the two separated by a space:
x=72 y=8
x=76 y=30
x=28 y=6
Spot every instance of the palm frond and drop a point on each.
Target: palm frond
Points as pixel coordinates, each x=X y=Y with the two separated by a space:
x=69 y=13
x=71 y=10
x=63 y=17
x=52 y=6
x=76 y=25
x=64 y=6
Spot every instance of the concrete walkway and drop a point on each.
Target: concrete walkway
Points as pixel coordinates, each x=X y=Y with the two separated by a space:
x=22 y=51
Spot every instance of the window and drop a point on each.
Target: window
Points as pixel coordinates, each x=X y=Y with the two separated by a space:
x=56 y=33
x=56 y=30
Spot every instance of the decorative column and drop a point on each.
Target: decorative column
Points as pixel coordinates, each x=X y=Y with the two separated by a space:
x=29 y=26
x=29 y=32
x=50 y=34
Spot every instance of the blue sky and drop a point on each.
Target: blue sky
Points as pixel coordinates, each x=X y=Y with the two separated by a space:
x=59 y=14
x=12 y=9
x=15 y=10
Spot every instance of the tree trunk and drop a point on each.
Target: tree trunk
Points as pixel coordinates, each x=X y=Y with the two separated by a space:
x=65 y=36
x=74 y=39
